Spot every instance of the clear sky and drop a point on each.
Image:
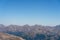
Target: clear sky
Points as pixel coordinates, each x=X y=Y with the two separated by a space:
x=20 y=12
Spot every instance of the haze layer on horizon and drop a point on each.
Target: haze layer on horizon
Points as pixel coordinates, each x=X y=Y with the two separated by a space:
x=20 y=12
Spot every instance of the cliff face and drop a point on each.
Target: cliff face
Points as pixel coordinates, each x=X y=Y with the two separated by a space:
x=4 y=36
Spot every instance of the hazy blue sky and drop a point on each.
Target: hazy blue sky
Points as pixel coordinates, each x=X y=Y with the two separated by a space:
x=20 y=12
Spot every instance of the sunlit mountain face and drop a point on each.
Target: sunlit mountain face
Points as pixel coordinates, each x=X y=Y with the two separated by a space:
x=36 y=32
x=5 y=36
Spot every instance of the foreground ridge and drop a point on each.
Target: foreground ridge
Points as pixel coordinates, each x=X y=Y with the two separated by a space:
x=4 y=36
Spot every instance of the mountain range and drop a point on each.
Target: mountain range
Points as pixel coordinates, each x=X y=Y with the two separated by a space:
x=34 y=32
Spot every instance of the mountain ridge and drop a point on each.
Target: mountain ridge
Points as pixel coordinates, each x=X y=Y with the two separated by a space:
x=30 y=32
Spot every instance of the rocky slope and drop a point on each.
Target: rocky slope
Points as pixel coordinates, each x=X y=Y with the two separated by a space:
x=4 y=36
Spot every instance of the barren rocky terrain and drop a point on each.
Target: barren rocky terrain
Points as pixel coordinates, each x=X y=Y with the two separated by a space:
x=4 y=36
